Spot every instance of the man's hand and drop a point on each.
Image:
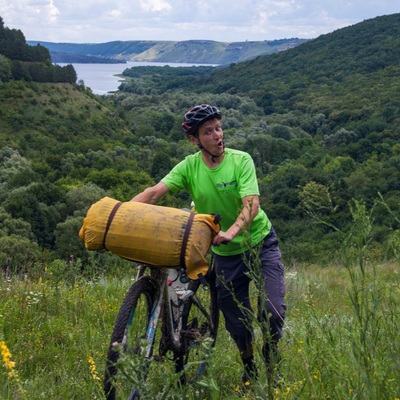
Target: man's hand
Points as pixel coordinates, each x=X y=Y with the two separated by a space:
x=249 y=211
x=222 y=238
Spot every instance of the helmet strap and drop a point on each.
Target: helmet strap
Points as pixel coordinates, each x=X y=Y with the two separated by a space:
x=212 y=156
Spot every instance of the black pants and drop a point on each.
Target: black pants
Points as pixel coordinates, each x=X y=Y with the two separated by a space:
x=233 y=278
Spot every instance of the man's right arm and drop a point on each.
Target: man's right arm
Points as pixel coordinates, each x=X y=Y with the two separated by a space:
x=152 y=194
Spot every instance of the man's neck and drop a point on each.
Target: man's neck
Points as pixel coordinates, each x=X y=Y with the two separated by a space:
x=212 y=162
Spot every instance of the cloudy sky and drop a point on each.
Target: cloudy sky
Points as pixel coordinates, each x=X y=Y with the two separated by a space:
x=99 y=21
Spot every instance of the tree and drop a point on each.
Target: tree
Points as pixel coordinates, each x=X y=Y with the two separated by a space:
x=106 y=178
x=161 y=166
x=39 y=53
x=79 y=199
x=68 y=244
x=339 y=138
x=65 y=74
x=317 y=202
x=39 y=204
x=17 y=254
x=15 y=171
x=14 y=226
x=20 y=71
x=5 y=69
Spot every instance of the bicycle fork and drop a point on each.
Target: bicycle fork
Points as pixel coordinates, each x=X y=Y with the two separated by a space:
x=151 y=329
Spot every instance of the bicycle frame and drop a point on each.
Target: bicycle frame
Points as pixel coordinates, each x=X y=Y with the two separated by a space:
x=185 y=322
x=172 y=296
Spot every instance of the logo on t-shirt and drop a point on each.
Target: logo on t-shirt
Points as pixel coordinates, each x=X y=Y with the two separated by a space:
x=224 y=187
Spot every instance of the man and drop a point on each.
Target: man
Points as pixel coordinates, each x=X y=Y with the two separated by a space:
x=223 y=181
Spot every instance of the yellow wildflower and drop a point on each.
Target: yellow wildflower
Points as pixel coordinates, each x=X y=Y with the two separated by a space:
x=10 y=366
x=6 y=355
x=93 y=369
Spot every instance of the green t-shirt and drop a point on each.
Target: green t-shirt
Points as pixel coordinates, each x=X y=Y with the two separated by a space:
x=220 y=191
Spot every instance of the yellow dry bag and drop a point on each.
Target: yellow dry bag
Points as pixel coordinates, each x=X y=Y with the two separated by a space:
x=156 y=235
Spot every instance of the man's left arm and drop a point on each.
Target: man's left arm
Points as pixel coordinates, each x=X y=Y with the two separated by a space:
x=249 y=210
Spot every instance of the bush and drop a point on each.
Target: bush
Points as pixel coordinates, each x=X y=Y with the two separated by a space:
x=18 y=254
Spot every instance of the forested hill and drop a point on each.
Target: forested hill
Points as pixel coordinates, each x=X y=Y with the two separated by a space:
x=188 y=51
x=365 y=52
x=321 y=122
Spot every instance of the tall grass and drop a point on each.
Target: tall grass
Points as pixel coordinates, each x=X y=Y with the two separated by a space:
x=341 y=337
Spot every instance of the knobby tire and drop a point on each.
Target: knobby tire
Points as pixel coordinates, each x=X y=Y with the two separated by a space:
x=144 y=290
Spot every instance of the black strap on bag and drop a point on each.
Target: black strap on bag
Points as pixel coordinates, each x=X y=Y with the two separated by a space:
x=186 y=238
x=110 y=219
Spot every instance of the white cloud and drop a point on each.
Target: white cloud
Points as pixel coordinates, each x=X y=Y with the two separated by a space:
x=222 y=20
x=115 y=13
x=32 y=10
x=155 y=5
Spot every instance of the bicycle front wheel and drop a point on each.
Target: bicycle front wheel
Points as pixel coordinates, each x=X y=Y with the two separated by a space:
x=200 y=319
x=126 y=363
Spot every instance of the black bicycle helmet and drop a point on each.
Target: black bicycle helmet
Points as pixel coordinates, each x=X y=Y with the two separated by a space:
x=197 y=115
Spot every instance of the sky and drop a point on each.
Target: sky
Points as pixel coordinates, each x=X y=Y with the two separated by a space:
x=100 y=21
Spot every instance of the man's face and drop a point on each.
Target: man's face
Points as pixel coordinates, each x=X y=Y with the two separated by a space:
x=211 y=136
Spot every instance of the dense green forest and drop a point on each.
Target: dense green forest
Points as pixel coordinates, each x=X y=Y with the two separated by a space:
x=321 y=122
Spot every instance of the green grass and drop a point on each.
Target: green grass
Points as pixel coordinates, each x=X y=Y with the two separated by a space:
x=341 y=338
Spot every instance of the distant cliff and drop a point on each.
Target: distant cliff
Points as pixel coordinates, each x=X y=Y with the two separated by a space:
x=190 y=51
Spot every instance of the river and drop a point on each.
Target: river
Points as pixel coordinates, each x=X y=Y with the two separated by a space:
x=101 y=77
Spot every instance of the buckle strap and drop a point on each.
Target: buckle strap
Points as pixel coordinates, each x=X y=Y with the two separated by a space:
x=110 y=219
x=186 y=238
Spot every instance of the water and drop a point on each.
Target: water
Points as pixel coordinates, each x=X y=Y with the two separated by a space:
x=101 y=77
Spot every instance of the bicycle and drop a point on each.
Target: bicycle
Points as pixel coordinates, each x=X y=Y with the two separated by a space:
x=188 y=317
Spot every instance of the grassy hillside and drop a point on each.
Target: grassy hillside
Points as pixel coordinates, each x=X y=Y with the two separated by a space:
x=190 y=51
x=38 y=119
x=98 y=49
x=59 y=58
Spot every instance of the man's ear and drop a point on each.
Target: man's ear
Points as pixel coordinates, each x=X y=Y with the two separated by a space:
x=194 y=139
